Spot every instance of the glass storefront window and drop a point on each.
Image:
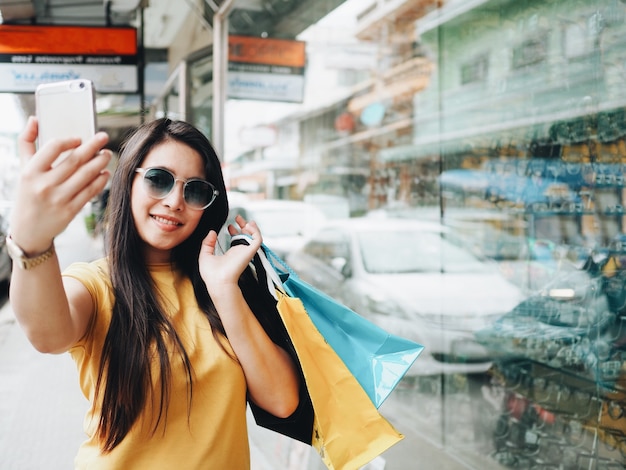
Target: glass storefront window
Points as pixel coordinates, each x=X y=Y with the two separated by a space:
x=502 y=122
x=172 y=102
x=201 y=91
x=188 y=92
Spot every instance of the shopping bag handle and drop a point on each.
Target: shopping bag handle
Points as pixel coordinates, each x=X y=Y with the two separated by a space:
x=273 y=279
x=273 y=258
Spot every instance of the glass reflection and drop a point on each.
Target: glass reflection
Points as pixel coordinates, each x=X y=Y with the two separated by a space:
x=504 y=122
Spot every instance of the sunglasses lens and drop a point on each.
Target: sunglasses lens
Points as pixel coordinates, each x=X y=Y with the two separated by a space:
x=158 y=182
x=199 y=194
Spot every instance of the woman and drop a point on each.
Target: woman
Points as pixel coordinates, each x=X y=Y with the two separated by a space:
x=166 y=347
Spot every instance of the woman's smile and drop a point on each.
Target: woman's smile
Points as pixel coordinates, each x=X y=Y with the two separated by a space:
x=167 y=223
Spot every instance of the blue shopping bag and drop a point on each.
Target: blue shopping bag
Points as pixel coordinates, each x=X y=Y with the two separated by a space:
x=376 y=358
x=335 y=415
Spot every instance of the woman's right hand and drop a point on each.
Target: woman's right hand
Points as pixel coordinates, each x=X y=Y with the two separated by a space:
x=48 y=197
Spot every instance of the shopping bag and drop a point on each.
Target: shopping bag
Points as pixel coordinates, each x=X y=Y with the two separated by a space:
x=335 y=415
x=348 y=430
x=376 y=358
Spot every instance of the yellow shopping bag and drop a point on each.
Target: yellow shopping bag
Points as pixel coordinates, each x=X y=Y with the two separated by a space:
x=335 y=414
x=348 y=430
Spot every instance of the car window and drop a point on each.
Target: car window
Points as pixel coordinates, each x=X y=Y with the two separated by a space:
x=328 y=245
x=419 y=251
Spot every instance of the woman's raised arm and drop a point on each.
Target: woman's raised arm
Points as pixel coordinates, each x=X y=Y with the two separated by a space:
x=48 y=198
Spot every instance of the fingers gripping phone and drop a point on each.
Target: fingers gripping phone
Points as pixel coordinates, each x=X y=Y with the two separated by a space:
x=65 y=109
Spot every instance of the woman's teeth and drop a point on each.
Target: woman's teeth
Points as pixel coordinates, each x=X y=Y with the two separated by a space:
x=164 y=221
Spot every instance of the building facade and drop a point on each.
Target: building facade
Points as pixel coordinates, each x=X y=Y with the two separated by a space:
x=505 y=121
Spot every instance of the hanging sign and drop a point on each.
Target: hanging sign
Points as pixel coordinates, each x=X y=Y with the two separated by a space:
x=266 y=69
x=33 y=54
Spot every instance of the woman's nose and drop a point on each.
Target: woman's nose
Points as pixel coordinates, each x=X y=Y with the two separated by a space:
x=175 y=199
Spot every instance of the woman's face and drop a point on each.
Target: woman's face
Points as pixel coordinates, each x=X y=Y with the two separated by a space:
x=163 y=224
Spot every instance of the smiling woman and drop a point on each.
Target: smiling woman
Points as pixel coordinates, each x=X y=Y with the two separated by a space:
x=159 y=299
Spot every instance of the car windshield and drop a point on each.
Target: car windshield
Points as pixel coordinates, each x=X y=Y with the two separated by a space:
x=386 y=252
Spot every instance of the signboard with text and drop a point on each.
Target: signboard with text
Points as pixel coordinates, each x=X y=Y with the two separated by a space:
x=266 y=69
x=33 y=54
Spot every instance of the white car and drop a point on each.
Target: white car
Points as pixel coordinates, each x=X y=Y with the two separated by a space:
x=286 y=225
x=413 y=279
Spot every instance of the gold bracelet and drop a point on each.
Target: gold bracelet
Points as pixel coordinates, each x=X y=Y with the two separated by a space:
x=24 y=262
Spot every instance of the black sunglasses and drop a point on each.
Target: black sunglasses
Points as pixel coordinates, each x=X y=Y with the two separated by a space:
x=159 y=183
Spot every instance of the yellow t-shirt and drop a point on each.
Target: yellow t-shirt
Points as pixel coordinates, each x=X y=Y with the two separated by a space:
x=212 y=434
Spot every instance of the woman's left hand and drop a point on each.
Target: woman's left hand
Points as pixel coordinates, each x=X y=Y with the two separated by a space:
x=271 y=375
x=220 y=270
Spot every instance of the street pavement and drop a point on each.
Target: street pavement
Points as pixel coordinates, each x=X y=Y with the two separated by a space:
x=41 y=406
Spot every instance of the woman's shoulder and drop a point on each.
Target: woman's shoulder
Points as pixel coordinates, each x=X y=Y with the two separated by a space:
x=92 y=272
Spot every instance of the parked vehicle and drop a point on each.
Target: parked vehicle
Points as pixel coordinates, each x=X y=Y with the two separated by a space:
x=571 y=322
x=334 y=207
x=414 y=279
x=286 y=225
x=5 y=261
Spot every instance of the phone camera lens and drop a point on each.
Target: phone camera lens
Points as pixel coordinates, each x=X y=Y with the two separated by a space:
x=82 y=85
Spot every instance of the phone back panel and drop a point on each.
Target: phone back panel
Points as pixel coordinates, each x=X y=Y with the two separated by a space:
x=66 y=109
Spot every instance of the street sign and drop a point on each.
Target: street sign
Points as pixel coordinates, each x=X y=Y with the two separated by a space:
x=33 y=54
x=266 y=69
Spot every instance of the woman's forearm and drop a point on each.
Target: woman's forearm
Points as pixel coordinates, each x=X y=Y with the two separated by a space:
x=270 y=373
x=40 y=305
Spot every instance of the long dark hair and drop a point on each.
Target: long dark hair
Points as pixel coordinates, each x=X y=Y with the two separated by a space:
x=139 y=324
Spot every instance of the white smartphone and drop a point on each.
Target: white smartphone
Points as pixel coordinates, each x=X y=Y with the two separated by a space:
x=66 y=109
